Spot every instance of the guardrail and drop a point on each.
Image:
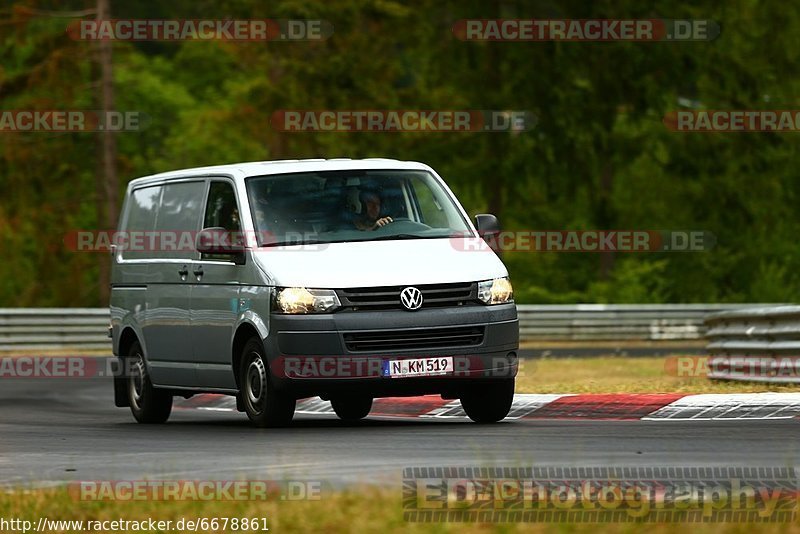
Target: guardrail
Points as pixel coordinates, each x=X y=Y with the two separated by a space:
x=618 y=322
x=756 y=344
x=54 y=329
x=86 y=328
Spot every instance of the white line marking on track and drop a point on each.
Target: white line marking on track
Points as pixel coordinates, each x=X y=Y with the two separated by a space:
x=733 y=406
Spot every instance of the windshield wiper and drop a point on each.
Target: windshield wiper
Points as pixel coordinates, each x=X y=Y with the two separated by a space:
x=291 y=243
x=406 y=236
x=368 y=238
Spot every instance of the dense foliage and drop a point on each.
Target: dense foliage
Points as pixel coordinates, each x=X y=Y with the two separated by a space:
x=599 y=157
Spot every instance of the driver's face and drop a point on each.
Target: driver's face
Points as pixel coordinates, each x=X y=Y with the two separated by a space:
x=373 y=203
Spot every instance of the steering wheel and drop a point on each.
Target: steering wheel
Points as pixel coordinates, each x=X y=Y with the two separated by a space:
x=408 y=224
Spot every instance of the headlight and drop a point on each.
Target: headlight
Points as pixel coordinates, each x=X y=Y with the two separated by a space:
x=497 y=291
x=302 y=300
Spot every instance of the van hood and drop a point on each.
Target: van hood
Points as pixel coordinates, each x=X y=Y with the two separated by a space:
x=379 y=263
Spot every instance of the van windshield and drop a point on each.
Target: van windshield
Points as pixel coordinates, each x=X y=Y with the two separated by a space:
x=340 y=206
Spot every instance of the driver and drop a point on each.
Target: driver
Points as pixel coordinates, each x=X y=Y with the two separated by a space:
x=371 y=212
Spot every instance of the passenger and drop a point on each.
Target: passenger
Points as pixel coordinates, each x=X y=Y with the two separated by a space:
x=371 y=212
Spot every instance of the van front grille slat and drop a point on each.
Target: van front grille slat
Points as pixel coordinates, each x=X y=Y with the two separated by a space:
x=417 y=338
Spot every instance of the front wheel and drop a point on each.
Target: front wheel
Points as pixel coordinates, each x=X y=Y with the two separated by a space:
x=489 y=402
x=264 y=405
x=351 y=408
x=148 y=404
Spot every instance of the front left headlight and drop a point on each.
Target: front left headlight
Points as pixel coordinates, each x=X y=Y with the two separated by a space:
x=295 y=300
x=497 y=291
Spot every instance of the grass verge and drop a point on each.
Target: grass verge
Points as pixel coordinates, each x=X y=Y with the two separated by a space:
x=623 y=375
x=365 y=509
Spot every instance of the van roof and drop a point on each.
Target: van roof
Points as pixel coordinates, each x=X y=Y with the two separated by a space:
x=284 y=166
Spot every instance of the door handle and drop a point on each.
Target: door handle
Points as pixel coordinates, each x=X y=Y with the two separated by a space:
x=183 y=272
x=198 y=272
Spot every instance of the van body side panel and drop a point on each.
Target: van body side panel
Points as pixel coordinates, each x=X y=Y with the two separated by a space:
x=129 y=283
x=213 y=344
x=128 y=307
x=167 y=324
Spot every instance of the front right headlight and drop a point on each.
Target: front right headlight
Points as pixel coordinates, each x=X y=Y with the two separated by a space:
x=497 y=291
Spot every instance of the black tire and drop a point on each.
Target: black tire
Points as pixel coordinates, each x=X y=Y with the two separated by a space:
x=148 y=404
x=352 y=408
x=263 y=404
x=489 y=402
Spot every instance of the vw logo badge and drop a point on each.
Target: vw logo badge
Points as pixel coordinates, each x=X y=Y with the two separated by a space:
x=411 y=297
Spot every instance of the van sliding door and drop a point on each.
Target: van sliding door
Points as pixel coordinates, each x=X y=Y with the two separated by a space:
x=167 y=331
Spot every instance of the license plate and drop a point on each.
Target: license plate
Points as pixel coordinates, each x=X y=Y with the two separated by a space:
x=418 y=367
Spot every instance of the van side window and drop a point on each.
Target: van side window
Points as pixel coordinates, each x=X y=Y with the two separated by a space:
x=141 y=220
x=221 y=209
x=223 y=212
x=178 y=219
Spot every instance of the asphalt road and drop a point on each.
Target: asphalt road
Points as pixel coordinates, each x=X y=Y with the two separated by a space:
x=54 y=430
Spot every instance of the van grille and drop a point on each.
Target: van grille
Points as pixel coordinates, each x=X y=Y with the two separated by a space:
x=418 y=338
x=388 y=297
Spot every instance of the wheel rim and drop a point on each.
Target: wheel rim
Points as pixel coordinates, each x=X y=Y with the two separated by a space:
x=136 y=382
x=255 y=384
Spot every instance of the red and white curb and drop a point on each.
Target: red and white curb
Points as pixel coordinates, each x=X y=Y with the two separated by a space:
x=610 y=406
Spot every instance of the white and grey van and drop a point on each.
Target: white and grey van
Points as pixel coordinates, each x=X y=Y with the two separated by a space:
x=278 y=281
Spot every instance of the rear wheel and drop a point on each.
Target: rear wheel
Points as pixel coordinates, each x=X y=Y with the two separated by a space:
x=489 y=402
x=264 y=405
x=148 y=404
x=352 y=408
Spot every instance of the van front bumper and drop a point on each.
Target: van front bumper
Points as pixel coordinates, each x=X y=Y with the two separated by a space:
x=346 y=353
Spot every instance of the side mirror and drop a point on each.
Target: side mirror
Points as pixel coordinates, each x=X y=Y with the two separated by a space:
x=487 y=224
x=218 y=240
x=488 y=229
